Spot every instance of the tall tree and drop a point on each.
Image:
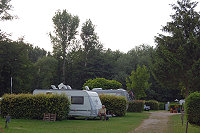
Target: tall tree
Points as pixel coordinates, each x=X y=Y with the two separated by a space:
x=90 y=40
x=65 y=26
x=177 y=53
x=92 y=49
x=138 y=81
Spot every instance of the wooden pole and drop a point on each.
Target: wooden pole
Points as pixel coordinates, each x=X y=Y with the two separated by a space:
x=186 y=128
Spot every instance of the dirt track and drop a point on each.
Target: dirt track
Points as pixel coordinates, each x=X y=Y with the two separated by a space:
x=156 y=123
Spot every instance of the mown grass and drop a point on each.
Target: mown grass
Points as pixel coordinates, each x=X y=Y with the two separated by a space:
x=114 y=125
x=175 y=125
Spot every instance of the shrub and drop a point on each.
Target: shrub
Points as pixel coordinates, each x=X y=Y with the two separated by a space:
x=161 y=106
x=136 y=106
x=102 y=83
x=153 y=104
x=114 y=104
x=193 y=108
x=34 y=106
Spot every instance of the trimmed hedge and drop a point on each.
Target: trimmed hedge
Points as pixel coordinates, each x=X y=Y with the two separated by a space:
x=30 y=106
x=114 y=104
x=192 y=105
x=161 y=106
x=102 y=83
x=153 y=104
x=136 y=106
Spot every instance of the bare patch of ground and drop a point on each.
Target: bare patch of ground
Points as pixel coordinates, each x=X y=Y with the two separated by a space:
x=156 y=123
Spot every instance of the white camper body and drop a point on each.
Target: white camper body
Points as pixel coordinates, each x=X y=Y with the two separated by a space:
x=83 y=103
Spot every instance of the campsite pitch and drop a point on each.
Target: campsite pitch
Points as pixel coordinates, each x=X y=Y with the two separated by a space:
x=114 y=125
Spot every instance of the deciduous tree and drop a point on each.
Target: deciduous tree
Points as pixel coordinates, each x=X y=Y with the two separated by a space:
x=65 y=26
x=177 y=55
x=138 y=81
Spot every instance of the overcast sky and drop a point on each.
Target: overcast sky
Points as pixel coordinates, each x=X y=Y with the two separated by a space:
x=120 y=24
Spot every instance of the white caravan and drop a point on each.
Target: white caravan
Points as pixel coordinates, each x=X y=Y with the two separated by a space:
x=116 y=92
x=83 y=103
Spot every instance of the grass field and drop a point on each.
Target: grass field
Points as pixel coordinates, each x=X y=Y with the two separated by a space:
x=175 y=125
x=114 y=125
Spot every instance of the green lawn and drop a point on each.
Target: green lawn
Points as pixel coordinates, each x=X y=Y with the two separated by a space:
x=175 y=125
x=114 y=125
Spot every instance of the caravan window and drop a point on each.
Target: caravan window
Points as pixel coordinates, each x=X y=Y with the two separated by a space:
x=77 y=100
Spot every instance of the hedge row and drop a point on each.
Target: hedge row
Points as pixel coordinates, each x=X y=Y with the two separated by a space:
x=136 y=106
x=161 y=106
x=192 y=106
x=114 y=104
x=34 y=106
x=154 y=105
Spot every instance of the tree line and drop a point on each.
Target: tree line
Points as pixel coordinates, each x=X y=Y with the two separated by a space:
x=173 y=65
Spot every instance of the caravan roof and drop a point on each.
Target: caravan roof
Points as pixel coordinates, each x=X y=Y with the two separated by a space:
x=71 y=92
x=116 y=92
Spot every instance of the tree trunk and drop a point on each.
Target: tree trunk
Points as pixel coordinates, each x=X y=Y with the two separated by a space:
x=64 y=60
x=182 y=115
x=186 y=95
x=186 y=92
x=186 y=128
x=64 y=63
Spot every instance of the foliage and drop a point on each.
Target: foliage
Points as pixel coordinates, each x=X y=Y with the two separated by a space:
x=138 y=81
x=136 y=106
x=46 y=72
x=126 y=62
x=154 y=105
x=90 y=41
x=161 y=106
x=14 y=62
x=5 y=7
x=35 y=53
x=178 y=51
x=34 y=106
x=193 y=108
x=65 y=26
x=114 y=104
x=162 y=93
x=102 y=83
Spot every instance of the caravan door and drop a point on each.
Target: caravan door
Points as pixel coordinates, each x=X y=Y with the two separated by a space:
x=95 y=105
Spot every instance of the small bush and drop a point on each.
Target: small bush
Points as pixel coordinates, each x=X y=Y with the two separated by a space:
x=193 y=108
x=153 y=104
x=114 y=104
x=161 y=106
x=136 y=106
x=34 y=106
x=102 y=83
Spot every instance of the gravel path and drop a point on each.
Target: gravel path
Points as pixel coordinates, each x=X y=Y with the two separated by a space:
x=156 y=123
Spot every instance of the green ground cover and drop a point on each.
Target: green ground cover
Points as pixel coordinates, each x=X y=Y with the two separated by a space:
x=114 y=125
x=175 y=125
